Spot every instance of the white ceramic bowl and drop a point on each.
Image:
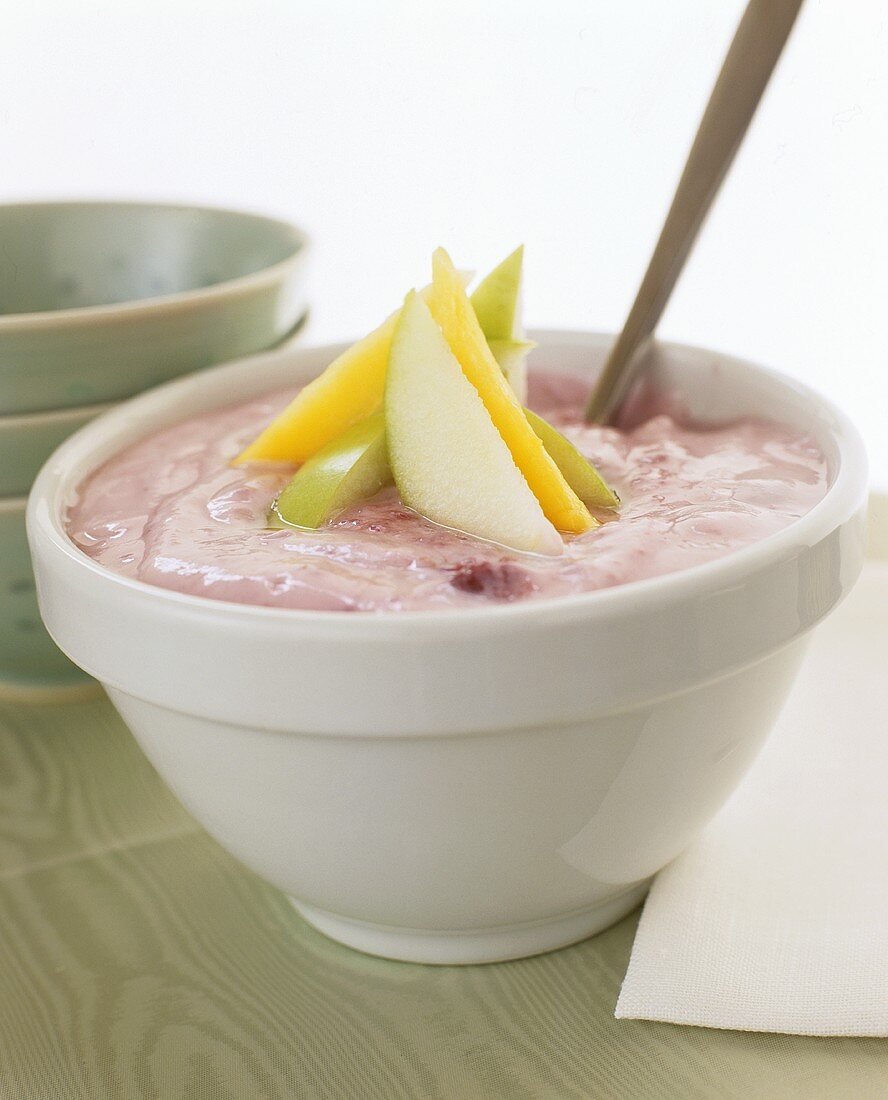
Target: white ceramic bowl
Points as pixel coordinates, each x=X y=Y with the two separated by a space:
x=457 y=787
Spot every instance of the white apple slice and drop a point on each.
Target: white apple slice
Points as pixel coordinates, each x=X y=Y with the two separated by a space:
x=512 y=358
x=449 y=462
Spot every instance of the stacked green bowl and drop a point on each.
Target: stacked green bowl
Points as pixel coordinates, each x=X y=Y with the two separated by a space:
x=99 y=301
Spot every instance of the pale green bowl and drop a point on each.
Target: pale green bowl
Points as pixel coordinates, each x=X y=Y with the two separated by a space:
x=31 y=666
x=100 y=300
x=28 y=439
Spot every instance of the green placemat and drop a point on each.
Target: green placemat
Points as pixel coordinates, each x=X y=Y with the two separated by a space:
x=137 y=959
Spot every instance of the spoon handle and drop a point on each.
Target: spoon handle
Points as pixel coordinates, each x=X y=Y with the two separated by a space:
x=754 y=51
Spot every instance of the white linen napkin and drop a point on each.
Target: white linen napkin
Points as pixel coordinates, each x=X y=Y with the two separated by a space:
x=777 y=919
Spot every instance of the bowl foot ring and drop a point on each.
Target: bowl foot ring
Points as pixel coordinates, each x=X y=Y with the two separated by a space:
x=467 y=947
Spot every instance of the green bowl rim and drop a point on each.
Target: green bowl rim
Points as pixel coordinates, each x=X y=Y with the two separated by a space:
x=14 y=421
x=298 y=240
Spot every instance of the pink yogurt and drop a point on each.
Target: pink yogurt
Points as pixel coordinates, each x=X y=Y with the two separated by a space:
x=171 y=511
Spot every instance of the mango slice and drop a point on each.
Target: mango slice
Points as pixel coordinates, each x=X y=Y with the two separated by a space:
x=347 y=391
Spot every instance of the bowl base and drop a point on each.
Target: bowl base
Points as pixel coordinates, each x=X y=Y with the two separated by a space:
x=515 y=941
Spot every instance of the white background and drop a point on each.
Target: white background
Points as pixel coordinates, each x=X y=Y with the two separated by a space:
x=389 y=127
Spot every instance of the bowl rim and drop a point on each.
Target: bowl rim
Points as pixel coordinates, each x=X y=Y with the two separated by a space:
x=41 y=417
x=10 y=505
x=298 y=240
x=844 y=498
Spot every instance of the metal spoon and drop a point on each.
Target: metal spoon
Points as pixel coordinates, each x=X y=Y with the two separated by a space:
x=755 y=49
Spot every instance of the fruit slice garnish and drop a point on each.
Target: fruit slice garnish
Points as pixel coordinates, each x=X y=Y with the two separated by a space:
x=578 y=471
x=347 y=391
x=497 y=305
x=333 y=426
x=451 y=308
x=512 y=358
x=349 y=469
x=497 y=299
x=449 y=461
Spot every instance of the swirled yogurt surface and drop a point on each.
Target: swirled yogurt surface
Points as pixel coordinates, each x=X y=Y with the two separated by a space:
x=171 y=511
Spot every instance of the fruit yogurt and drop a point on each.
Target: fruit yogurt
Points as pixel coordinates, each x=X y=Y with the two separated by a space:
x=171 y=511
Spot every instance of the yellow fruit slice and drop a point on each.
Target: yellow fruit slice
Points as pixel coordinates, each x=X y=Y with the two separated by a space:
x=453 y=311
x=350 y=389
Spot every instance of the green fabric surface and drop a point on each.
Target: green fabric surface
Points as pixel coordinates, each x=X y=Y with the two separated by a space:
x=137 y=959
